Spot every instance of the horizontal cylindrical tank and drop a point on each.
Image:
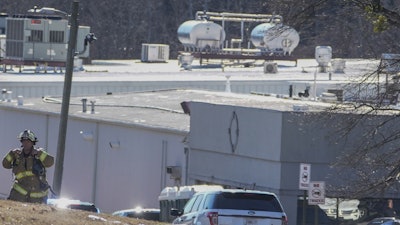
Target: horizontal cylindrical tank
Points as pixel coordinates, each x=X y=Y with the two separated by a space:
x=201 y=34
x=274 y=37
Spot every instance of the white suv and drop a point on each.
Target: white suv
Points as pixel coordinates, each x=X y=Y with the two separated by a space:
x=231 y=207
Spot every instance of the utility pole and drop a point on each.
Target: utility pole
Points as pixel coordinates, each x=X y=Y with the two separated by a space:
x=62 y=133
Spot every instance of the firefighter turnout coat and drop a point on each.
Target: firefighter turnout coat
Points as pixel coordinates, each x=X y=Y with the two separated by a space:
x=30 y=184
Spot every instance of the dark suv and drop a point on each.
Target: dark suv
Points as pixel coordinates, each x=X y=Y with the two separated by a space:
x=233 y=207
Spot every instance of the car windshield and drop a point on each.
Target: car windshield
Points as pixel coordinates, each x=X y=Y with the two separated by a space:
x=247 y=201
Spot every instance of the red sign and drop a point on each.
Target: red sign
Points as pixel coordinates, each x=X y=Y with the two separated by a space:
x=36 y=21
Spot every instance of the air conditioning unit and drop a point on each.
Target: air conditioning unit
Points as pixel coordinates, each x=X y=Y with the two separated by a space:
x=338 y=65
x=328 y=97
x=155 y=53
x=270 y=67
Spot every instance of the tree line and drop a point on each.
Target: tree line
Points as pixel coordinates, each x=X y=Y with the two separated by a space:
x=122 y=26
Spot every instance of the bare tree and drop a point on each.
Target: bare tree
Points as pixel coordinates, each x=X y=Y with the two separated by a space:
x=383 y=13
x=368 y=122
x=122 y=26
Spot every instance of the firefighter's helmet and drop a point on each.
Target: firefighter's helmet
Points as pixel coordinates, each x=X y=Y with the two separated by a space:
x=29 y=135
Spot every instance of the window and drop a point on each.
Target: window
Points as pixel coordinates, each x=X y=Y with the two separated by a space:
x=208 y=201
x=56 y=36
x=247 y=201
x=197 y=203
x=36 y=36
x=189 y=205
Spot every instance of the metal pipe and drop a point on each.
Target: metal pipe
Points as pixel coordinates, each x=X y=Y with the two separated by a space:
x=225 y=16
x=238 y=19
x=9 y=96
x=20 y=100
x=228 y=14
x=84 y=105
x=3 y=94
x=92 y=104
x=241 y=31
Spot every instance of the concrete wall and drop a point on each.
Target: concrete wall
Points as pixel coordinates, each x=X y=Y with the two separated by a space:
x=113 y=178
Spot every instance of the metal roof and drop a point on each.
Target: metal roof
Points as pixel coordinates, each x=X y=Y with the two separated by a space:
x=154 y=109
x=161 y=108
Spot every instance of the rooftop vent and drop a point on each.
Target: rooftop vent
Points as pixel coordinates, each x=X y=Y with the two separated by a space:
x=323 y=55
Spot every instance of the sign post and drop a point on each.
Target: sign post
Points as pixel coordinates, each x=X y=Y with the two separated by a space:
x=304 y=182
x=316 y=196
x=305 y=176
x=316 y=193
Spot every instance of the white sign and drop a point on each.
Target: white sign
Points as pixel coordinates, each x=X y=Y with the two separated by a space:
x=316 y=193
x=305 y=176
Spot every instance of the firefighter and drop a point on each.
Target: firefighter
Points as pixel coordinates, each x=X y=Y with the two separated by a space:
x=28 y=165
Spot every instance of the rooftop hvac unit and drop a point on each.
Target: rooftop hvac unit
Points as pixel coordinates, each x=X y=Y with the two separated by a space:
x=270 y=67
x=338 y=65
x=37 y=39
x=155 y=53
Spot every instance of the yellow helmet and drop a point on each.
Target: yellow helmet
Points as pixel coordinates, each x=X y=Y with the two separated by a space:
x=27 y=134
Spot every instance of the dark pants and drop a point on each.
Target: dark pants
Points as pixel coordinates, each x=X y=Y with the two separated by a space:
x=16 y=196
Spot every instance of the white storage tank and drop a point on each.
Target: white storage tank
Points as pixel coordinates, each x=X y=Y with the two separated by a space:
x=201 y=35
x=272 y=37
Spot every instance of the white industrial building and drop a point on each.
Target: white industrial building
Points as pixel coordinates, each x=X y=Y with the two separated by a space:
x=111 y=154
x=118 y=155
x=134 y=129
x=126 y=145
